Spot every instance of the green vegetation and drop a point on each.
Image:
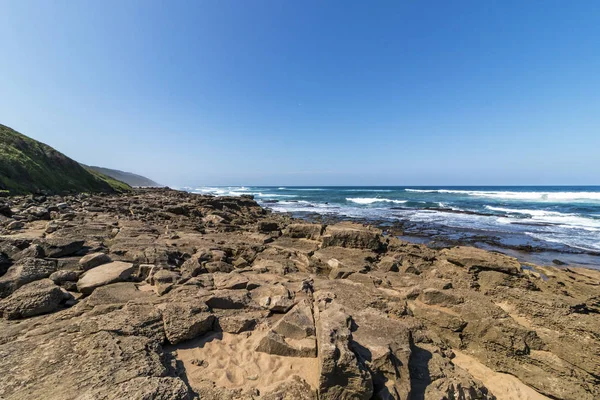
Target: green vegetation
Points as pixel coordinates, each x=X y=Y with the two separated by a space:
x=127 y=177
x=28 y=166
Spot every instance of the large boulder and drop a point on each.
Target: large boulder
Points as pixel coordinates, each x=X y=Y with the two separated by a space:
x=24 y=271
x=185 y=321
x=383 y=344
x=34 y=298
x=476 y=260
x=298 y=323
x=116 y=271
x=307 y=231
x=293 y=335
x=342 y=375
x=353 y=236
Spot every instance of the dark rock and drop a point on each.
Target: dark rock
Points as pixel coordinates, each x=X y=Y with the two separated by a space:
x=31 y=299
x=24 y=271
x=54 y=248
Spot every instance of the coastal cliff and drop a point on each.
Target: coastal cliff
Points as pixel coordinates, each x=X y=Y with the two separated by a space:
x=162 y=294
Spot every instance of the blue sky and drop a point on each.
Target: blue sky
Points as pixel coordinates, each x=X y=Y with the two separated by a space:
x=310 y=92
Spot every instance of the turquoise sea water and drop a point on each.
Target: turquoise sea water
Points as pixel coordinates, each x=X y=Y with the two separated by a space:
x=556 y=217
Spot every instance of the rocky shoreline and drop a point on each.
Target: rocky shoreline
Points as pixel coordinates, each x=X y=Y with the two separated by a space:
x=161 y=294
x=436 y=236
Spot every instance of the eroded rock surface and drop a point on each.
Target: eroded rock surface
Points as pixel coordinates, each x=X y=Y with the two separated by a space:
x=160 y=294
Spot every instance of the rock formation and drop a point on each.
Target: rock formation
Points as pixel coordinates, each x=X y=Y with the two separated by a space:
x=159 y=294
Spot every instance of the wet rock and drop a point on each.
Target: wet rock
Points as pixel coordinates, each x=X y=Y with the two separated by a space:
x=116 y=271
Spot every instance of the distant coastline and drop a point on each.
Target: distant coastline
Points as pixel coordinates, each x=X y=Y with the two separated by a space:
x=539 y=224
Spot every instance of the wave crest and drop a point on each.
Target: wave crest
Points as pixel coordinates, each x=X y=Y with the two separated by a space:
x=371 y=200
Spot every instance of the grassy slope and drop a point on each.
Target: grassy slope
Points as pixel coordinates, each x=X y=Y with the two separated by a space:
x=28 y=166
x=127 y=177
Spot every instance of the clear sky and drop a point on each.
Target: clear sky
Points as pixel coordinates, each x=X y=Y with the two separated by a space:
x=310 y=92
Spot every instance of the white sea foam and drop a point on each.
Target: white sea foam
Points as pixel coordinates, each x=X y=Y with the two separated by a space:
x=371 y=200
x=554 y=217
x=523 y=196
x=367 y=190
x=578 y=243
x=260 y=194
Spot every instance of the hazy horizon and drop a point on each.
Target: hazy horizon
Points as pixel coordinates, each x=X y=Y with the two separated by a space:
x=310 y=94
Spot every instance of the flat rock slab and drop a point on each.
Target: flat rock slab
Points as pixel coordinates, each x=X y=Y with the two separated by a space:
x=62 y=247
x=119 y=293
x=116 y=271
x=477 y=259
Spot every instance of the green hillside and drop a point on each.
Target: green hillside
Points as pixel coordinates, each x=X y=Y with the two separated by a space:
x=28 y=166
x=127 y=177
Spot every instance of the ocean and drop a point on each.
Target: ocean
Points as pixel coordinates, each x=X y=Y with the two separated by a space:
x=563 y=219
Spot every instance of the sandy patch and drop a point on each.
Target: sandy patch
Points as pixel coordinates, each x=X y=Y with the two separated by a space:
x=230 y=361
x=503 y=386
x=510 y=310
